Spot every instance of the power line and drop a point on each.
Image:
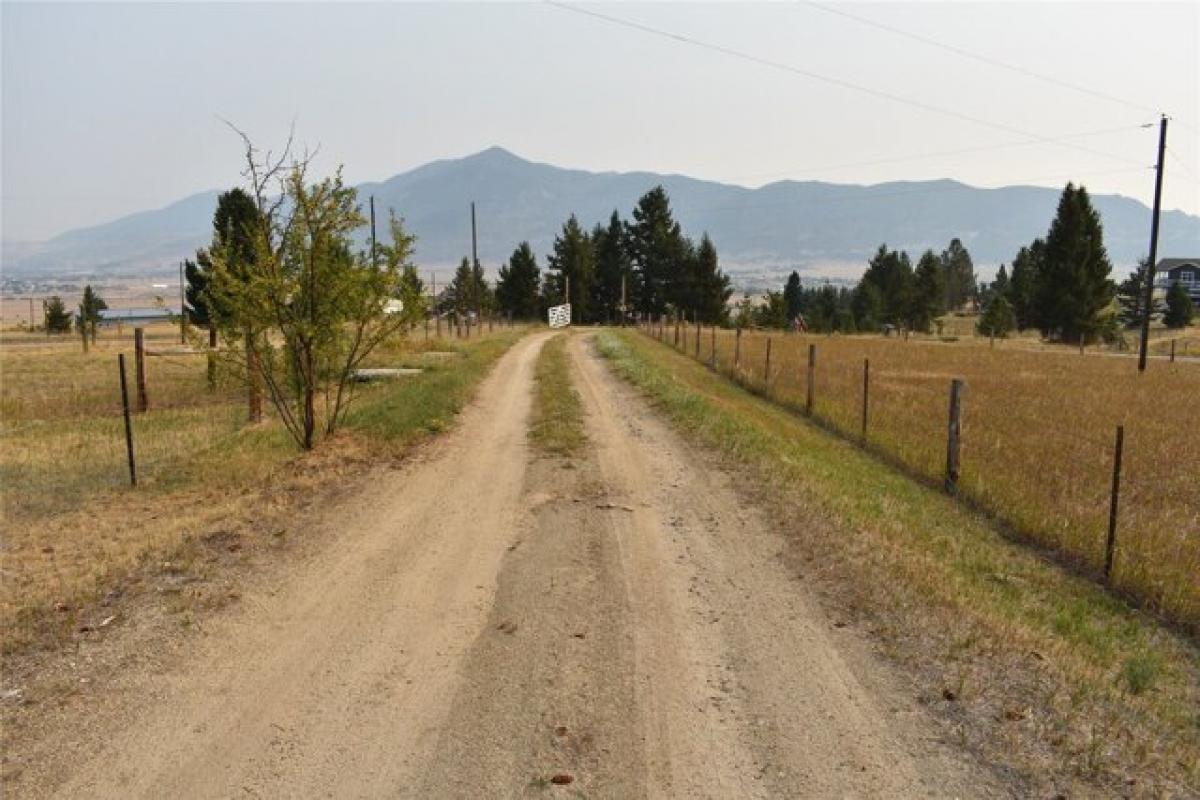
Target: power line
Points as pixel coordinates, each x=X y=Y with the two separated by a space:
x=981 y=58
x=919 y=156
x=777 y=65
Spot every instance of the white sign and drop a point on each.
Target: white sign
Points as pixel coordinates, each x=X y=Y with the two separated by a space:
x=559 y=316
x=393 y=307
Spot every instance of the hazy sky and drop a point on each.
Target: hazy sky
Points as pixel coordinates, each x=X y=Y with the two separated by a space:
x=110 y=109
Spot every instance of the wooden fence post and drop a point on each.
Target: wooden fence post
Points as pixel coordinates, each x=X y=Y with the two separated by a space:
x=712 y=357
x=128 y=424
x=767 y=366
x=697 y=336
x=1172 y=351
x=83 y=332
x=253 y=386
x=212 y=357
x=953 y=437
x=139 y=368
x=737 y=350
x=812 y=379
x=1110 y=545
x=677 y=331
x=866 y=395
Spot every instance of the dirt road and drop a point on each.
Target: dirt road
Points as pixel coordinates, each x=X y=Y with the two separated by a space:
x=488 y=622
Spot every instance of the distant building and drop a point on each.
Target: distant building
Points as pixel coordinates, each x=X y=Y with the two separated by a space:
x=136 y=316
x=1179 y=270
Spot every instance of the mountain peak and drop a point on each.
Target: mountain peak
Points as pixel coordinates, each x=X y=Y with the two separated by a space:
x=496 y=154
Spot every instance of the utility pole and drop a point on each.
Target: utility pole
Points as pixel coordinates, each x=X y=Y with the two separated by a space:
x=622 y=300
x=182 y=309
x=373 y=263
x=474 y=252
x=31 y=312
x=1148 y=307
x=567 y=297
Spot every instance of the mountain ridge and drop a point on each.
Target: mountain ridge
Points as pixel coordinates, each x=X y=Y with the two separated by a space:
x=778 y=225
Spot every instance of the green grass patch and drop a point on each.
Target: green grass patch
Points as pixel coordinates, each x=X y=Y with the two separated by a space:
x=556 y=425
x=943 y=584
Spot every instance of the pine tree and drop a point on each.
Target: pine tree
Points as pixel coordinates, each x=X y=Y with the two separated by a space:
x=237 y=225
x=481 y=294
x=997 y=319
x=710 y=286
x=657 y=250
x=1180 y=310
x=612 y=265
x=517 y=289
x=866 y=303
x=1022 y=283
x=928 y=293
x=1131 y=296
x=793 y=296
x=572 y=258
x=89 y=310
x=891 y=273
x=461 y=291
x=958 y=275
x=196 y=303
x=58 y=319
x=1073 y=288
x=773 y=312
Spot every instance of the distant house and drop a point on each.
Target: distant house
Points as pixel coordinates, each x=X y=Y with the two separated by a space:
x=1179 y=270
x=136 y=316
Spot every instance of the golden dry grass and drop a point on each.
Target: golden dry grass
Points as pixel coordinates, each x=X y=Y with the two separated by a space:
x=1038 y=439
x=71 y=522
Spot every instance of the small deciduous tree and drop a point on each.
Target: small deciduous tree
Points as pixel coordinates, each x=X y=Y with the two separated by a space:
x=309 y=308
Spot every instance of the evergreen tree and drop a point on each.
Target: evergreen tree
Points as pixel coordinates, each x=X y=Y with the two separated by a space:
x=928 y=292
x=958 y=275
x=196 y=276
x=572 y=258
x=58 y=319
x=89 y=310
x=1180 y=311
x=481 y=294
x=773 y=312
x=793 y=296
x=1022 y=283
x=1131 y=296
x=237 y=225
x=611 y=258
x=997 y=319
x=460 y=294
x=656 y=250
x=824 y=310
x=866 y=303
x=517 y=289
x=891 y=273
x=1073 y=288
x=711 y=289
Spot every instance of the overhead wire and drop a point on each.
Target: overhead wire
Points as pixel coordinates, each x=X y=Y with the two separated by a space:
x=831 y=80
x=995 y=62
x=940 y=154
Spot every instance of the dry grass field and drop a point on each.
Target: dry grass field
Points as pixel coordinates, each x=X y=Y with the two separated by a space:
x=1038 y=436
x=71 y=523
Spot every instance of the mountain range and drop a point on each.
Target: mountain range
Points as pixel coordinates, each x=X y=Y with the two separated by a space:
x=780 y=225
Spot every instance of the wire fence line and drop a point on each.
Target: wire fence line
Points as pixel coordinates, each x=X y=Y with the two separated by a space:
x=1043 y=477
